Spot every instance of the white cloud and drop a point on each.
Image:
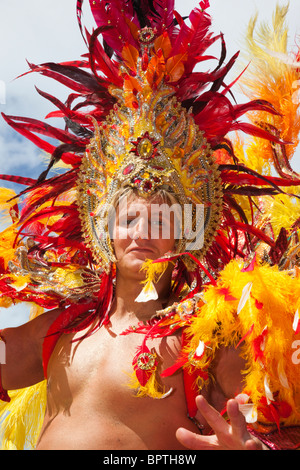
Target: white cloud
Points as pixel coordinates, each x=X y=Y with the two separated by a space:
x=14 y=316
x=19 y=156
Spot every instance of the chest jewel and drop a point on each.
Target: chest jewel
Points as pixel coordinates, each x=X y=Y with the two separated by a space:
x=145 y=379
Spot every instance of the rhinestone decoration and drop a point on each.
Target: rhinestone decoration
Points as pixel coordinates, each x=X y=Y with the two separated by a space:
x=146 y=361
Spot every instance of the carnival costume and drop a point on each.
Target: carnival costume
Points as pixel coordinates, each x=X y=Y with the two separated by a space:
x=143 y=114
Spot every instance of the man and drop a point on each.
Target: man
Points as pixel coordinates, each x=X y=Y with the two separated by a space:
x=89 y=405
x=125 y=307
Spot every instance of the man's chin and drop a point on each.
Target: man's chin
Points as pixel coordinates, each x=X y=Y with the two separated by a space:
x=133 y=266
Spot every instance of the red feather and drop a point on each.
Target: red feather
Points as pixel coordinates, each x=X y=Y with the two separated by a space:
x=240 y=175
x=257 y=343
x=256 y=132
x=65 y=110
x=164 y=18
x=18 y=180
x=33 y=125
x=70 y=76
x=98 y=55
x=245 y=336
x=116 y=14
x=227 y=295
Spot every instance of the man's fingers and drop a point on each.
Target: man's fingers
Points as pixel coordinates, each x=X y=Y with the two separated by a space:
x=212 y=416
x=239 y=426
x=193 y=441
x=233 y=436
x=237 y=420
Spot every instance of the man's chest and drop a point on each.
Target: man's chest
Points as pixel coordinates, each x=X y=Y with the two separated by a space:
x=101 y=365
x=89 y=383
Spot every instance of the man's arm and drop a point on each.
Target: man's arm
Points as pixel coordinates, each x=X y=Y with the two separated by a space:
x=23 y=365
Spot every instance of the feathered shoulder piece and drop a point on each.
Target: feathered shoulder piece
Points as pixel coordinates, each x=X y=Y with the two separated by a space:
x=256 y=311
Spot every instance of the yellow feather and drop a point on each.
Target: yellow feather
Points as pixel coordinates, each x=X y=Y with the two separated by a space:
x=272 y=79
x=152 y=389
x=21 y=419
x=153 y=271
x=7 y=239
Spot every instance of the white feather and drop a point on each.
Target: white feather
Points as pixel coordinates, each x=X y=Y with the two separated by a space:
x=268 y=392
x=200 y=349
x=249 y=411
x=245 y=296
x=148 y=293
x=282 y=375
x=284 y=58
x=296 y=320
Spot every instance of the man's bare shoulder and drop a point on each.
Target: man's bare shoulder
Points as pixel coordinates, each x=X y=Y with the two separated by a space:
x=23 y=350
x=44 y=320
x=33 y=331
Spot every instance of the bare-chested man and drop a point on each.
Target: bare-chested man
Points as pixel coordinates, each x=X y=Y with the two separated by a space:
x=89 y=405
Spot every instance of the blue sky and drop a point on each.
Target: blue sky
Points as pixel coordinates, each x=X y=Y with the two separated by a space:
x=47 y=30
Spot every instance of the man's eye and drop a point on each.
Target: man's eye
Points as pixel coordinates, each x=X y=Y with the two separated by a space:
x=161 y=222
x=127 y=221
x=158 y=222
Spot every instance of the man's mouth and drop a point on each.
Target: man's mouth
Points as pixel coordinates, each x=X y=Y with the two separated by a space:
x=141 y=249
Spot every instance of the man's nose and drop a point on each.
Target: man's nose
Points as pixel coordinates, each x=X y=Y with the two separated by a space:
x=141 y=229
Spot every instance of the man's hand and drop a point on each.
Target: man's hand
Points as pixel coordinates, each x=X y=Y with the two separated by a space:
x=233 y=436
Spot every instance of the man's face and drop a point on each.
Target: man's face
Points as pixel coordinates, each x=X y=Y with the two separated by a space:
x=143 y=229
